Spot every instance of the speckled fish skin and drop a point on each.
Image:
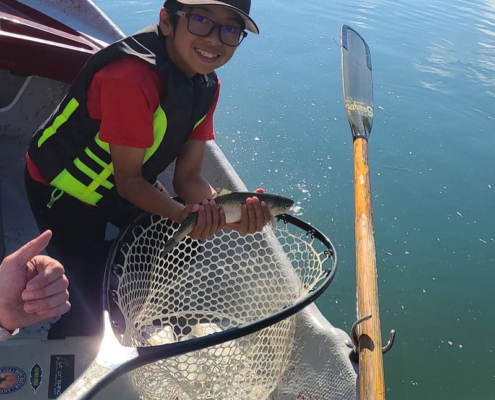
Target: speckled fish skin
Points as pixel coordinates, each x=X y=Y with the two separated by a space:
x=231 y=203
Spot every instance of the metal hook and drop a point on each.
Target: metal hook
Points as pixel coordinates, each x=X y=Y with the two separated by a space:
x=390 y=342
x=355 y=337
x=354 y=334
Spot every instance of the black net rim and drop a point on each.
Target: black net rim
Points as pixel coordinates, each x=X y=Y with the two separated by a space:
x=154 y=353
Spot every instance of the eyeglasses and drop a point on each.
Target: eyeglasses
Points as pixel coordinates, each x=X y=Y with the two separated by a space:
x=202 y=26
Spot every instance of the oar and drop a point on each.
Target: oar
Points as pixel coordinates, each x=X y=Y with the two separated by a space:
x=358 y=99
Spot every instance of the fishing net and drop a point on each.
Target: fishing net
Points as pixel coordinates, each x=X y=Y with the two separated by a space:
x=202 y=288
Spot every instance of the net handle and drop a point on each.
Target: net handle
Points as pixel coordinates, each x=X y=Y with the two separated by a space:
x=154 y=353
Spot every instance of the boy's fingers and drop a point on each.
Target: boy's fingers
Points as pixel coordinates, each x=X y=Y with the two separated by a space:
x=260 y=220
x=188 y=209
x=222 y=222
x=244 y=224
x=252 y=215
x=215 y=218
x=48 y=269
x=266 y=212
x=31 y=249
x=192 y=207
x=208 y=220
x=200 y=224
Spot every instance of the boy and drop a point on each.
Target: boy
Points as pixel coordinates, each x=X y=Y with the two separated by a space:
x=133 y=109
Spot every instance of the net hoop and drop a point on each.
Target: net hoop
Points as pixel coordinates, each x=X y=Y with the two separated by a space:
x=178 y=348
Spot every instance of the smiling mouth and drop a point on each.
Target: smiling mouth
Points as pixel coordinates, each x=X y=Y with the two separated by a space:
x=207 y=55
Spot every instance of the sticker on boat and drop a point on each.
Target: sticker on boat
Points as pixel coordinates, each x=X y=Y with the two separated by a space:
x=11 y=379
x=61 y=374
x=36 y=377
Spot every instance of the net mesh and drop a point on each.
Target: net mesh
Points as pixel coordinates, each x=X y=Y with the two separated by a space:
x=200 y=288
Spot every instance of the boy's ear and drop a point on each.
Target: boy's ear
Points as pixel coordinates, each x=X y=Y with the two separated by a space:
x=165 y=23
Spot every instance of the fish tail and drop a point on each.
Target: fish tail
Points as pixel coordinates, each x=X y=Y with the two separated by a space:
x=186 y=227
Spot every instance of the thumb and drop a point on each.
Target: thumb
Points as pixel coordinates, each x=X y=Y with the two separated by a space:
x=191 y=208
x=32 y=248
x=260 y=190
x=188 y=209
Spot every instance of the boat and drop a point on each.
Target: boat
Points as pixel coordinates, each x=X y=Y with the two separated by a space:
x=43 y=44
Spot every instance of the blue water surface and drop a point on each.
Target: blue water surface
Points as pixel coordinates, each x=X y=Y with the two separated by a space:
x=281 y=123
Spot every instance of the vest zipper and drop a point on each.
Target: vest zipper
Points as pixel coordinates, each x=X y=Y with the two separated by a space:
x=55 y=196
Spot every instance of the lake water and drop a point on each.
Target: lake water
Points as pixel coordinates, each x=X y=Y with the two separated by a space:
x=281 y=122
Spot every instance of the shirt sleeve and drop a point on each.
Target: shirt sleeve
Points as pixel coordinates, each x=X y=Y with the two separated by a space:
x=124 y=95
x=205 y=130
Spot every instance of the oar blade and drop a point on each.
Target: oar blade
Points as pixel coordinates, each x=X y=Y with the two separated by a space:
x=357 y=82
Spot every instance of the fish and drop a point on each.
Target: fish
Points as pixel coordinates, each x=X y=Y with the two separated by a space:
x=231 y=203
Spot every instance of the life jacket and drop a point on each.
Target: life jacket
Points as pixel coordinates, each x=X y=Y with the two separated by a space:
x=67 y=150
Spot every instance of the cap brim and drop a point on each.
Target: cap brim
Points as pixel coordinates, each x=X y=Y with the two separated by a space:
x=248 y=21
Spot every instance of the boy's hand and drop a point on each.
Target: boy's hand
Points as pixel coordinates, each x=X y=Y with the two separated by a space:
x=188 y=209
x=255 y=215
x=210 y=220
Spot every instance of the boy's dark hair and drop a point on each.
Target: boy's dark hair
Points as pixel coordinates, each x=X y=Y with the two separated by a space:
x=171 y=6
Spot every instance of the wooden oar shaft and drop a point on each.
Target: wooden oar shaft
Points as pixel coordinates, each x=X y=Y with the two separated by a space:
x=371 y=375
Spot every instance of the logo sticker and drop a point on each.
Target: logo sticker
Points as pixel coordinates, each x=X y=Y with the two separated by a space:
x=36 y=377
x=363 y=108
x=61 y=374
x=11 y=379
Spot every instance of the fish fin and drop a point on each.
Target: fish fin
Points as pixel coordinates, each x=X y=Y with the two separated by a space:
x=222 y=192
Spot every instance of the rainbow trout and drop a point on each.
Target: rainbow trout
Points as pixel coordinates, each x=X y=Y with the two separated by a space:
x=231 y=203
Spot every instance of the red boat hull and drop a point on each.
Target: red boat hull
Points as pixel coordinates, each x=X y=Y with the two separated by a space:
x=31 y=43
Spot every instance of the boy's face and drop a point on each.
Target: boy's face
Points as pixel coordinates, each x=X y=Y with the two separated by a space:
x=194 y=54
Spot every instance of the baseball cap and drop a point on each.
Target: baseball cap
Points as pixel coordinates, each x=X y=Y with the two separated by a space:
x=241 y=7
